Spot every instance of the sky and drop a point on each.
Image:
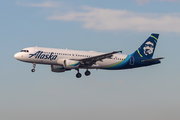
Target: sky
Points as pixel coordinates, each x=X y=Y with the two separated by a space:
x=148 y=93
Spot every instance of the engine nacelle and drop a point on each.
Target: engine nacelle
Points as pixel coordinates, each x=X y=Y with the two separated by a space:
x=69 y=64
x=57 y=68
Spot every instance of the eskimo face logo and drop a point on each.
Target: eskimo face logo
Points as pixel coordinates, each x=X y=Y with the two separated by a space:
x=148 y=48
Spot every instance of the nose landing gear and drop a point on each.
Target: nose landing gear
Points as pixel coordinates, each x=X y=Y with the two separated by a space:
x=34 y=65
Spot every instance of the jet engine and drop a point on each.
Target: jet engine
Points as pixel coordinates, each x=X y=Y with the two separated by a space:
x=69 y=64
x=57 y=68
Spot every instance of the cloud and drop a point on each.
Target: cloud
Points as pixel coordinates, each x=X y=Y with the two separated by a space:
x=109 y=19
x=46 y=4
x=142 y=2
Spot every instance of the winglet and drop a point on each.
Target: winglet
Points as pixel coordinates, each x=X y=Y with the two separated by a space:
x=120 y=51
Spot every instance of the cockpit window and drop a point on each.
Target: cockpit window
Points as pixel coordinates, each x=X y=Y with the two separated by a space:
x=24 y=50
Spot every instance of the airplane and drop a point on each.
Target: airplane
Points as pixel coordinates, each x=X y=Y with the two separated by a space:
x=62 y=60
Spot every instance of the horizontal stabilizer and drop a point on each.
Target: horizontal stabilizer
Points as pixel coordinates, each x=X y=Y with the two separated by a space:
x=152 y=60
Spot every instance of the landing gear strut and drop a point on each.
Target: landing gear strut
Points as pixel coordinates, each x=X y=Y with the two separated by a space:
x=78 y=75
x=87 y=73
x=34 y=65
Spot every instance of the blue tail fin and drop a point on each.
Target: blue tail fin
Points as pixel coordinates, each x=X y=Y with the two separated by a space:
x=146 y=50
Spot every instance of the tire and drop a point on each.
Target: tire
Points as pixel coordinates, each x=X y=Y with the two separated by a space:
x=33 y=70
x=78 y=75
x=87 y=73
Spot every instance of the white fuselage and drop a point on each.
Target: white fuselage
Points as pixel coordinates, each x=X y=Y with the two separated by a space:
x=50 y=56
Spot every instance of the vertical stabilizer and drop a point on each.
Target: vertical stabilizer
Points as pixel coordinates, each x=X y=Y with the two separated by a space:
x=146 y=50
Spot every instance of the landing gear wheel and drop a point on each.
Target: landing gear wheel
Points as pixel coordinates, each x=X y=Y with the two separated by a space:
x=34 y=65
x=33 y=70
x=87 y=73
x=78 y=75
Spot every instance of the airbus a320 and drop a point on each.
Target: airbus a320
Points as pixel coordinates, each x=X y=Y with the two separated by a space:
x=62 y=60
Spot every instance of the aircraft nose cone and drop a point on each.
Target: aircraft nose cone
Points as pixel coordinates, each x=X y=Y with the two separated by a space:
x=16 y=56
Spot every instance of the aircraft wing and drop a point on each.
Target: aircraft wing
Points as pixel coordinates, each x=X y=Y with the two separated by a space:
x=92 y=60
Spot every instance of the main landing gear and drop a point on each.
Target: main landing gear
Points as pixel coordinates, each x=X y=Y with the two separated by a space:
x=34 y=65
x=87 y=73
x=78 y=75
